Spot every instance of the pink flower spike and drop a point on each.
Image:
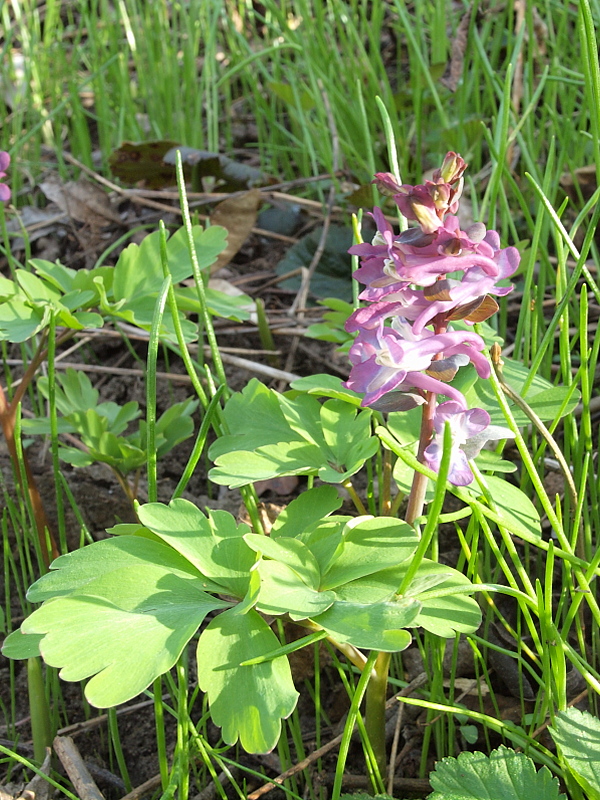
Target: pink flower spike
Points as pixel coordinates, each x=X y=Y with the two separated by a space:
x=470 y=430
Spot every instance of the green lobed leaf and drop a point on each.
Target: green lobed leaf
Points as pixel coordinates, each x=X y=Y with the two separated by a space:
x=37 y=290
x=19 y=646
x=283 y=591
x=42 y=426
x=324 y=539
x=109 y=449
x=78 y=299
x=367 y=545
x=241 y=467
x=292 y=552
x=503 y=775
x=213 y=544
x=19 y=320
x=76 y=457
x=374 y=588
x=542 y=397
x=123 y=629
x=249 y=702
x=269 y=426
x=118 y=416
x=290 y=436
x=488 y=460
x=73 y=391
x=326 y=386
x=448 y=613
x=74 y=570
x=514 y=510
x=405 y=425
x=55 y=273
x=306 y=511
x=577 y=734
x=375 y=626
x=8 y=288
x=138 y=272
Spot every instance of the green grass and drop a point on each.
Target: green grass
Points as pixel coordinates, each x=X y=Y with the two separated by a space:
x=84 y=77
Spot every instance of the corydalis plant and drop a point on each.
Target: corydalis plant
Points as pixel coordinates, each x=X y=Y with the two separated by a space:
x=423 y=279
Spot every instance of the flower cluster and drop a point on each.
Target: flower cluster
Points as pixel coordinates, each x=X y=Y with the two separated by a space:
x=422 y=280
x=4 y=164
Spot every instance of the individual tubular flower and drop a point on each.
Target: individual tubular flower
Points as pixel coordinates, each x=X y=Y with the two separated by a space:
x=470 y=430
x=4 y=164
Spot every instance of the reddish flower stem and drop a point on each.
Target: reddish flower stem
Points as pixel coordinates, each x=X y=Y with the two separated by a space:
x=416 y=499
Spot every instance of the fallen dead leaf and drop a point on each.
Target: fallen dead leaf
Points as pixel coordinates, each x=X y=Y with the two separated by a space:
x=38 y=222
x=584 y=178
x=143 y=161
x=238 y=215
x=453 y=74
x=82 y=200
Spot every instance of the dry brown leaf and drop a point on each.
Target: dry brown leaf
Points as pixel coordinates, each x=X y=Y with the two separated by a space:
x=453 y=74
x=81 y=200
x=584 y=177
x=238 y=215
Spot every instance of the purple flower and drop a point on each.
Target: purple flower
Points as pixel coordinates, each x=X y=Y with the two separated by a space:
x=4 y=164
x=384 y=358
x=387 y=183
x=452 y=169
x=470 y=430
x=423 y=278
x=390 y=263
x=429 y=202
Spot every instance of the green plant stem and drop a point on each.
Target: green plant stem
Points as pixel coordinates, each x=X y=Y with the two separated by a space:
x=159 y=310
x=161 y=741
x=354 y=497
x=386 y=487
x=41 y=728
x=264 y=332
x=32 y=766
x=113 y=727
x=8 y=417
x=375 y=709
